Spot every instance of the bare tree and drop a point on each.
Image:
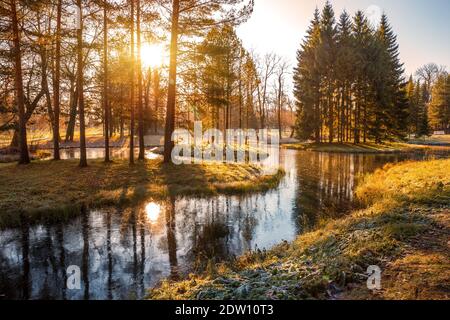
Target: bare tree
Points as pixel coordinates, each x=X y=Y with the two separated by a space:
x=429 y=73
x=267 y=69
x=281 y=72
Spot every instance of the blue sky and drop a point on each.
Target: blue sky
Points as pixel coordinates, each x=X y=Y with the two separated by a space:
x=422 y=27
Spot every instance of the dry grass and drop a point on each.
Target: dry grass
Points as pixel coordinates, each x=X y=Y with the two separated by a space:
x=404 y=228
x=391 y=147
x=50 y=188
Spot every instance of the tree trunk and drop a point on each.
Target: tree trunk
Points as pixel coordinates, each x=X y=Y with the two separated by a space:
x=105 y=81
x=83 y=159
x=171 y=96
x=280 y=96
x=56 y=79
x=73 y=102
x=139 y=70
x=24 y=156
x=156 y=94
x=132 y=86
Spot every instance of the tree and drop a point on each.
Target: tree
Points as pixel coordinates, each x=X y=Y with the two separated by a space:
x=24 y=156
x=396 y=102
x=424 y=125
x=171 y=94
x=56 y=82
x=348 y=82
x=132 y=83
x=80 y=75
x=307 y=83
x=139 y=79
x=429 y=73
x=188 y=18
x=281 y=74
x=439 y=109
x=413 y=110
x=326 y=62
x=105 y=80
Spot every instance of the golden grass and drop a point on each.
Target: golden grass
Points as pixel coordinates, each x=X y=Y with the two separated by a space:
x=405 y=219
x=369 y=147
x=46 y=188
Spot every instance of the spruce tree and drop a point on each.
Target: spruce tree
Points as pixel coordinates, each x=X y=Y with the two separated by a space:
x=307 y=84
x=395 y=91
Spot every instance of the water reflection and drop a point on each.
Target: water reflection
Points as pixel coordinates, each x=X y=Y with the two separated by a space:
x=121 y=252
x=152 y=210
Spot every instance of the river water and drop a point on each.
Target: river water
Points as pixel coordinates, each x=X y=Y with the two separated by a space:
x=122 y=252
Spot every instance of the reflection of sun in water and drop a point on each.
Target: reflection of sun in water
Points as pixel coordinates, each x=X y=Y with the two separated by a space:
x=152 y=55
x=152 y=210
x=373 y=14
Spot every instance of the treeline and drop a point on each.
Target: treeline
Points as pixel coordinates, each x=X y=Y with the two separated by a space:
x=231 y=87
x=88 y=70
x=349 y=83
x=429 y=101
x=84 y=70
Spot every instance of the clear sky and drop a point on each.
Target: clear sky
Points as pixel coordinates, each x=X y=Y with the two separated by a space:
x=422 y=26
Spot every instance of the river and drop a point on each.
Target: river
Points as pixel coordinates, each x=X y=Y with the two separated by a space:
x=122 y=252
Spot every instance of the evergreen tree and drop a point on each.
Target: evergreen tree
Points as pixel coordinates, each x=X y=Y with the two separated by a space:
x=326 y=55
x=307 y=84
x=345 y=58
x=439 y=110
x=349 y=83
x=395 y=93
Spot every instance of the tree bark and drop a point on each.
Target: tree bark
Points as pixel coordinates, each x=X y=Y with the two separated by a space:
x=171 y=96
x=132 y=85
x=83 y=159
x=56 y=80
x=24 y=156
x=139 y=70
x=105 y=80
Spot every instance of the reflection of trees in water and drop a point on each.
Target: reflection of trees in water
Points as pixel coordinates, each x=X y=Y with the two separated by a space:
x=25 y=242
x=214 y=229
x=325 y=184
x=171 y=238
x=85 y=260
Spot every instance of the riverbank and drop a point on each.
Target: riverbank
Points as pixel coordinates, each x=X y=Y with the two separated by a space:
x=54 y=189
x=368 y=148
x=404 y=228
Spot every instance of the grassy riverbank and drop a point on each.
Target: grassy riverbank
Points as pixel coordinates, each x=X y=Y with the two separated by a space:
x=49 y=189
x=392 y=147
x=404 y=228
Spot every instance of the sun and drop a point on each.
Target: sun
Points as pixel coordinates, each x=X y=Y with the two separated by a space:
x=152 y=55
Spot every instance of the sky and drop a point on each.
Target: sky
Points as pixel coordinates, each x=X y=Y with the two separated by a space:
x=422 y=27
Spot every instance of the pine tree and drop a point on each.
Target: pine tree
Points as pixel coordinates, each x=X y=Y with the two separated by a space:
x=363 y=41
x=396 y=102
x=439 y=110
x=412 y=106
x=344 y=72
x=307 y=84
x=326 y=54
